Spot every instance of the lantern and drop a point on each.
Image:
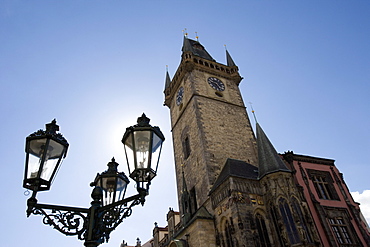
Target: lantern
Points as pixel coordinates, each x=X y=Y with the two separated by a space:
x=143 y=145
x=45 y=150
x=113 y=183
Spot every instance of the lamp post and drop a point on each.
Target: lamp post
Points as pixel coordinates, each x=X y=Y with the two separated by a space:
x=45 y=151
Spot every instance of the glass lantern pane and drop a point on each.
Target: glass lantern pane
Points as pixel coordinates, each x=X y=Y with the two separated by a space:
x=54 y=153
x=129 y=150
x=121 y=184
x=33 y=166
x=37 y=146
x=108 y=186
x=142 y=144
x=156 y=151
x=48 y=169
x=121 y=188
x=156 y=142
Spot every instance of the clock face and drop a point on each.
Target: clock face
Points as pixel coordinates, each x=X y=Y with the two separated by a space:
x=179 y=96
x=216 y=83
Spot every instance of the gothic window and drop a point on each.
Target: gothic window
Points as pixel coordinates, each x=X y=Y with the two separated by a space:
x=302 y=223
x=340 y=231
x=288 y=220
x=186 y=147
x=228 y=235
x=193 y=201
x=274 y=217
x=323 y=183
x=263 y=235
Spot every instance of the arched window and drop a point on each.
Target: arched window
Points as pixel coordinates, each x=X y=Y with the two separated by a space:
x=290 y=226
x=186 y=147
x=185 y=142
x=263 y=235
x=274 y=216
x=303 y=225
x=228 y=235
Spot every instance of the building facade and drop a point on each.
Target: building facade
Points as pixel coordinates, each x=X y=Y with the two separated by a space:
x=233 y=188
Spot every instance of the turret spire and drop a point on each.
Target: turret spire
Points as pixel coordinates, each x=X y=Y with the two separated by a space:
x=195 y=48
x=229 y=60
x=168 y=79
x=268 y=159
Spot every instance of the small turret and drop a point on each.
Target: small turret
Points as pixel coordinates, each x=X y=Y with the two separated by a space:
x=168 y=80
x=229 y=60
x=268 y=159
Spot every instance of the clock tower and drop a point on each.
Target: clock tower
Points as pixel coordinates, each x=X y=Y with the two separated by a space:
x=234 y=189
x=209 y=122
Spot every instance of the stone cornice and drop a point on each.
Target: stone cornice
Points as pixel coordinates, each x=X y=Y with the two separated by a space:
x=289 y=156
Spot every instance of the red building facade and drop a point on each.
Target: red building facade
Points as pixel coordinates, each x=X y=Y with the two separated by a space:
x=336 y=215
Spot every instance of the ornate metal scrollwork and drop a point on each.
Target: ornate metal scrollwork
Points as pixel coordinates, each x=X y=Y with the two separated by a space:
x=110 y=218
x=93 y=225
x=69 y=223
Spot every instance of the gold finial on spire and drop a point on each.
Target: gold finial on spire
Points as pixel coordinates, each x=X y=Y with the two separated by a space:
x=254 y=115
x=196 y=36
x=225 y=46
x=167 y=68
x=185 y=32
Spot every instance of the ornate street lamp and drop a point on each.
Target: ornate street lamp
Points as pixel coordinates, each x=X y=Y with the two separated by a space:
x=46 y=149
x=143 y=145
x=112 y=182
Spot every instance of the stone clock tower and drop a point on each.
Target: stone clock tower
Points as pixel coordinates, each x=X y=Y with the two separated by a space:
x=234 y=189
x=209 y=120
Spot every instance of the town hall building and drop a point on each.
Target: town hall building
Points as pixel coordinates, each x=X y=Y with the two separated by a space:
x=234 y=189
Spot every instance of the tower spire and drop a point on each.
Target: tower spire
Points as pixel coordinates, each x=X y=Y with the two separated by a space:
x=196 y=48
x=168 y=79
x=268 y=159
x=229 y=60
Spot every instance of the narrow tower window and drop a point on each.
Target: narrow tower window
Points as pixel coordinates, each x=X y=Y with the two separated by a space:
x=186 y=147
x=193 y=201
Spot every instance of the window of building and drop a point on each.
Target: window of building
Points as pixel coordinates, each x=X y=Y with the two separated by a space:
x=297 y=209
x=288 y=220
x=264 y=240
x=193 y=201
x=228 y=235
x=186 y=147
x=274 y=216
x=323 y=183
x=340 y=231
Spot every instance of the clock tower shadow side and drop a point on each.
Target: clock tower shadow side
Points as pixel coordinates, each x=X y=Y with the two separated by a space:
x=209 y=123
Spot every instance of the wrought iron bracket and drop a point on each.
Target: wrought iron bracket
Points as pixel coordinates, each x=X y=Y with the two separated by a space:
x=94 y=224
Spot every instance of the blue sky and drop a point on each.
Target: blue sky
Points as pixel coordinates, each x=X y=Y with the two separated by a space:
x=96 y=66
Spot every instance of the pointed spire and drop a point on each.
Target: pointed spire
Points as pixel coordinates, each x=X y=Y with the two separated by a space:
x=196 y=48
x=186 y=46
x=168 y=79
x=229 y=60
x=268 y=159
